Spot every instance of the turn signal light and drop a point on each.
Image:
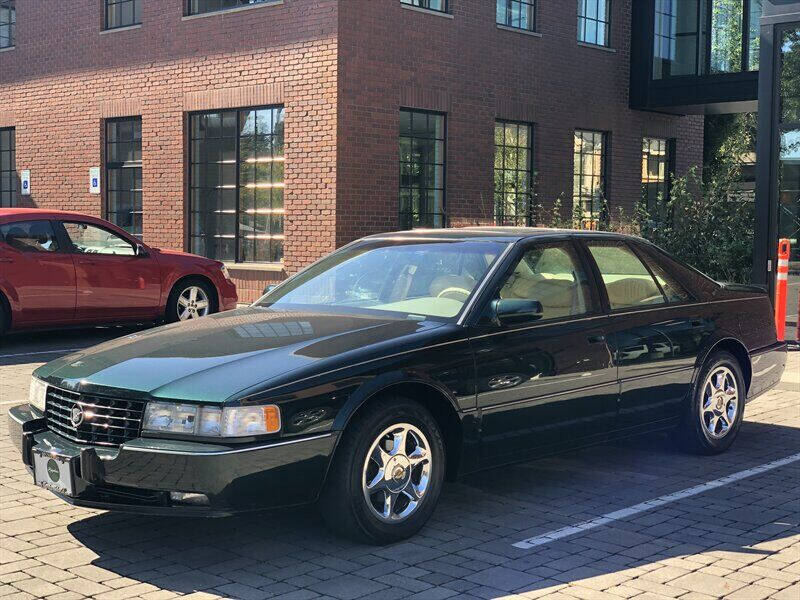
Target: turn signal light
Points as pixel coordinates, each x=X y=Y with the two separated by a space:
x=272 y=418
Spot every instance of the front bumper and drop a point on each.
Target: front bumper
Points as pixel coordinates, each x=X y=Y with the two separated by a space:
x=139 y=475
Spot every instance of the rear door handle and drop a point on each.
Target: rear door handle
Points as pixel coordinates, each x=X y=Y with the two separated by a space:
x=7 y=260
x=597 y=339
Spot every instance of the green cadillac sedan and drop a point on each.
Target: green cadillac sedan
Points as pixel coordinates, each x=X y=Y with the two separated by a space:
x=398 y=361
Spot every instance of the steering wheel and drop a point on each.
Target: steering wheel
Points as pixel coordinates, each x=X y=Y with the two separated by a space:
x=454 y=293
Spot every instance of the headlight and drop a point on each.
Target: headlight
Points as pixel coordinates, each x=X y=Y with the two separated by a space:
x=190 y=419
x=37 y=393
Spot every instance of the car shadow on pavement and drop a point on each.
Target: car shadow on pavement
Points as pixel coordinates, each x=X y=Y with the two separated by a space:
x=468 y=545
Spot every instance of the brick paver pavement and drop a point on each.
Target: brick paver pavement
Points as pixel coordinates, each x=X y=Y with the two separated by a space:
x=740 y=540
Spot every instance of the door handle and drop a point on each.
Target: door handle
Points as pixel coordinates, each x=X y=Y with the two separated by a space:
x=597 y=339
x=6 y=260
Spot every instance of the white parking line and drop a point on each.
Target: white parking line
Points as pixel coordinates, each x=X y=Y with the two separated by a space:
x=624 y=513
x=40 y=352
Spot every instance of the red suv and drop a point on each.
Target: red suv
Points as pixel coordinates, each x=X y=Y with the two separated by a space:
x=60 y=268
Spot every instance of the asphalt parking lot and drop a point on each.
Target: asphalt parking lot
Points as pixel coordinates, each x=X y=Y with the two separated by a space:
x=633 y=519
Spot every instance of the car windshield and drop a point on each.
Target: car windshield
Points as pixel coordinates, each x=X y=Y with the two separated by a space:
x=429 y=279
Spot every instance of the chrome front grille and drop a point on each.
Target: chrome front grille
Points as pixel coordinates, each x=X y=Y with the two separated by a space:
x=88 y=419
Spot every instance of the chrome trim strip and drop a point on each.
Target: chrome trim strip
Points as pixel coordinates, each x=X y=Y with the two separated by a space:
x=221 y=452
x=489 y=275
x=649 y=375
x=595 y=386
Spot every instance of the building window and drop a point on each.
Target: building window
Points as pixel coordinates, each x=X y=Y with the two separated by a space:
x=8 y=23
x=124 y=173
x=701 y=37
x=520 y=14
x=8 y=169
x=726 y=36
x=437 y=5
x=237 y=184
x=589 y=182
x=513 y=185
x=197 y=7
x=754 y=35
x=422 y=169
x=123 y=13
x=657 y=166
x=594 y=22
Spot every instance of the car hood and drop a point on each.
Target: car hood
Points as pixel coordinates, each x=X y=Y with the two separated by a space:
x=214 y=358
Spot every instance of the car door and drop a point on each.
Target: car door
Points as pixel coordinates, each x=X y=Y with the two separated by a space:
x=655 y=330
x=39 y=271
x=114 y=281
x=548 y=383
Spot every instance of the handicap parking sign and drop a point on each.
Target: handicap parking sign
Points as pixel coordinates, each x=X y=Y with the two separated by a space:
x=25 y=182
x=94 y=180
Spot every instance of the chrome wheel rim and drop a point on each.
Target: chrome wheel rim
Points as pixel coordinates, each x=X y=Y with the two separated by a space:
x=192 y=303
x=396 y=473
x=720 y=403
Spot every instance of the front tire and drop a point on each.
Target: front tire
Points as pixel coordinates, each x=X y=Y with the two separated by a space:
x=190 y=299
x=387 y=474
x=711 y=421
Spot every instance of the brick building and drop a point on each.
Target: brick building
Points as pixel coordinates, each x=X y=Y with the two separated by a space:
x=266 y=133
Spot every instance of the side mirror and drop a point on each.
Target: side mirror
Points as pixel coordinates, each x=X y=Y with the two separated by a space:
x=269 y=288
x=141 y=251
x=511 y=311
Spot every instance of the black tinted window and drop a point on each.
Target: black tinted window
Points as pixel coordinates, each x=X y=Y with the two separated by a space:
x=29 y=236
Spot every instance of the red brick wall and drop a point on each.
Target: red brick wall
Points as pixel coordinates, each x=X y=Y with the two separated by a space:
x=342 y=69
x=65 y=77
x=391 y=57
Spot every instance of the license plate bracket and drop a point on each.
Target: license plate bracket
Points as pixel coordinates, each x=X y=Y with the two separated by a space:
x=54 y=472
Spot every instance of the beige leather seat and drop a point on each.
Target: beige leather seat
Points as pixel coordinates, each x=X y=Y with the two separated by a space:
x=632 y=291
x=557 y=296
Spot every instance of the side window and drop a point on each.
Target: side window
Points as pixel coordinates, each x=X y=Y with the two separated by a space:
x=627 y=280
x=30 y=236
x=90 y=239
x=553 y=276
x=672 y=289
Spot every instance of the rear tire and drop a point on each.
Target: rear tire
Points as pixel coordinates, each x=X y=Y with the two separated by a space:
x=372 y=463
x=713 y=417
x=181 y=306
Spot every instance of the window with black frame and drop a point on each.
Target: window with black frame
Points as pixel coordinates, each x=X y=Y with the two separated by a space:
x=513 y=173
x=8 y=169
x=589 y=177
x=198 y=7
x=8 y=23
x=519 y=14
x=657 y=166
x=237 y=184
x=123 y=13
x=437 y=5
x=594 y=22
x=422 y=169
x=124 y=173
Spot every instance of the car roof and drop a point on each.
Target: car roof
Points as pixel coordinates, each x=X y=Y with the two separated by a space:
x=40 y=213
x=494 y=233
